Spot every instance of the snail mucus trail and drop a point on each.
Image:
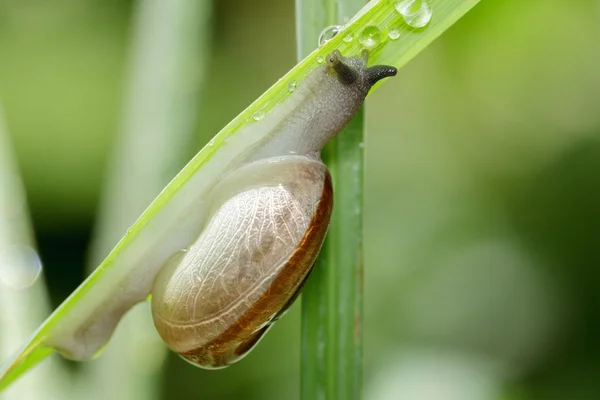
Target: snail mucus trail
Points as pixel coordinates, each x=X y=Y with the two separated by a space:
x=252 y=221
x=214 y=302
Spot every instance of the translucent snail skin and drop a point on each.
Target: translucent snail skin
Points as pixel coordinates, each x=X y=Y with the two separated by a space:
x=226 y=253
x=267 y=220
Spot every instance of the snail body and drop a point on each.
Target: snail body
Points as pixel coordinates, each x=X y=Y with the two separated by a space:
x=268 y=218
x=228 y=248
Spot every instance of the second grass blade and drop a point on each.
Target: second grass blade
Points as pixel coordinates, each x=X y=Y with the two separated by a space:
x=332 y=299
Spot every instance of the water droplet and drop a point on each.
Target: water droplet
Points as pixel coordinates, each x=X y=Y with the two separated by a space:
x=328 y=34
x=320 y=60
x=348 y=38
x=292 y=86
x=416 y=13
x=258 y=115
x=20 y=266
x=361 y=145
x=394 y=34
x=211 y=142
x=370 y=37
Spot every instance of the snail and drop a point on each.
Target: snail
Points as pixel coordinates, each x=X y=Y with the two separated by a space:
x=250 y=221
x=268 y=218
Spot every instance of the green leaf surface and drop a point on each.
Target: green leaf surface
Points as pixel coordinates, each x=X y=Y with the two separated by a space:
x=381 y=14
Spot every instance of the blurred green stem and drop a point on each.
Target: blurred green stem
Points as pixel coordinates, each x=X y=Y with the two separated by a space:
x=22 y=308
x=166 y=69
x=332 y=299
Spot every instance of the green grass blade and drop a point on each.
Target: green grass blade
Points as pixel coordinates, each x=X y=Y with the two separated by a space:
x=332 y=298
x=312 y=16
x=146 y=233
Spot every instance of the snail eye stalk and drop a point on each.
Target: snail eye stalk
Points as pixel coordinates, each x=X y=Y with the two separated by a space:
x=346 y=74
x=379 y=72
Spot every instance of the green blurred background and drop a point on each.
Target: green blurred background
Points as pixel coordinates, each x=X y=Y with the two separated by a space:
x=482 y=225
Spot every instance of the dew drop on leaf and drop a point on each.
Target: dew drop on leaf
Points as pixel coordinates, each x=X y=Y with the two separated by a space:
x=394 y=33
x=370 y=37
x=20 y=266
x=258 y=115
x=416 y=13
x=292 y=86
x=328 y=34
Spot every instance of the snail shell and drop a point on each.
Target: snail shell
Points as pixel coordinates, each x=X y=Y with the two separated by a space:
x=267 y=220
x=213 y=302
